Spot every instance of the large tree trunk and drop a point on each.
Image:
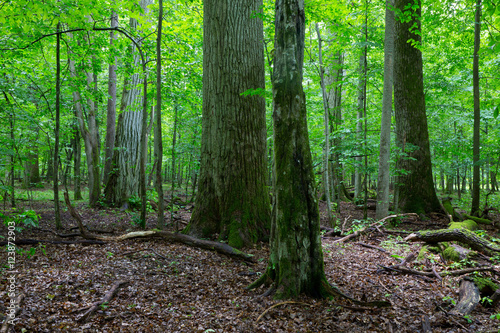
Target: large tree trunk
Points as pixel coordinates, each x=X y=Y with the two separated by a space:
x=111 y=108
x=415 y=190
x=124 y=178
x=232 y=199
x=477 y=111
x=385 y=128
x=296 y=259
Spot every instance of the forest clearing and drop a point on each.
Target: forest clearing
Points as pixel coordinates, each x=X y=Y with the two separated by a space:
x=249 y=166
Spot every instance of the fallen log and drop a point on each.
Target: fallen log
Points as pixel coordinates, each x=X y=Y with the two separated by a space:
x=406 y=270
x=459 y=235
x=170 y=236
x=468 y=298
x=477 y=219
x=184 y=239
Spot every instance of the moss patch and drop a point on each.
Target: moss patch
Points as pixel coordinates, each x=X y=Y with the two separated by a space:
x=485 y=286
x=451 y=254
x=467 y=224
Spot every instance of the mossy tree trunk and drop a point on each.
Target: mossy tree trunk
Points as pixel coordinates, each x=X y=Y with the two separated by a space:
x=296 y=259
x=232 y=200
x=415 y=185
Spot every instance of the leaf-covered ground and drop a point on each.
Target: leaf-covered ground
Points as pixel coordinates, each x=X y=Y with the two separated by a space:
x=177 y=288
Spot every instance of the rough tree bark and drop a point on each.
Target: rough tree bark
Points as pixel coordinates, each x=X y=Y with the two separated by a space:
x=415 y=185
x=296 y=259
x=232 y=199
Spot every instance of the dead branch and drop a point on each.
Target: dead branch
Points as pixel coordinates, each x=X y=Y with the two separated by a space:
x=106 y=299
x=379 y=222
x=406 y=270
x=169 y=236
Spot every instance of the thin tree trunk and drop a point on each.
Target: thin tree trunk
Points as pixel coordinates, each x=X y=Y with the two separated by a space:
x=359 y=124
x=326 y=150
x=174 y=138
x=77 y=147
x=477 y=112
x=382 y=209
x=57 y=209
x=111 y=107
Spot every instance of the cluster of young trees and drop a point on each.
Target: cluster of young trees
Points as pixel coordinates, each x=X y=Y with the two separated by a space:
x=74 y=70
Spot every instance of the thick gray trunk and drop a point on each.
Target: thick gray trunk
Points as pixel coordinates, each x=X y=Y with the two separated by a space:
x=232 y=199
x=415 y=189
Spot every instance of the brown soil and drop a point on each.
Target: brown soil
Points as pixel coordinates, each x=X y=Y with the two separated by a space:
x=177 y=288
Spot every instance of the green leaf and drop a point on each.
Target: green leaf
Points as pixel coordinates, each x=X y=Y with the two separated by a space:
x=495 y=112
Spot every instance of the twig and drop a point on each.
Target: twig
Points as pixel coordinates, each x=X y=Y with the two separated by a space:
x=359 y=232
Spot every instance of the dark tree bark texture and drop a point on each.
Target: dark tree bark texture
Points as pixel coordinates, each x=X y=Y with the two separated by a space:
x=296 y=259
x=415 y=184
x=232 y=199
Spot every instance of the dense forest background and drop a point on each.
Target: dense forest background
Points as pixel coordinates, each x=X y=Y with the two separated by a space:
x=284 y=129
x=92 y=63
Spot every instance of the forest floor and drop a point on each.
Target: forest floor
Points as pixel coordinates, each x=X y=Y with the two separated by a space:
x=178 y=288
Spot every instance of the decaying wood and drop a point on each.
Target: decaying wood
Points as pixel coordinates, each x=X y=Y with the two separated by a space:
x=169 y=236
x=459 y=235
x=184 y=239
x=108 y=297
x=8 y=319
x=426 y=325
x=469 y=298
x=495 y=298
x=379 y=222
x=371 y=247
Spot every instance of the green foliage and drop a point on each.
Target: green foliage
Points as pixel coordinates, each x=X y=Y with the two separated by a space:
x=23 y=220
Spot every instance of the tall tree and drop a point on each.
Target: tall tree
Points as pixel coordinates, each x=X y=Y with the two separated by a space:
x=57 y=210
x=385 y=127
x=158 y=135
x=124 y=180
x=232 y=199
x=111 y=107
x=477 y=111
x=296 y=258
x=326 y=119
x=415 y=185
